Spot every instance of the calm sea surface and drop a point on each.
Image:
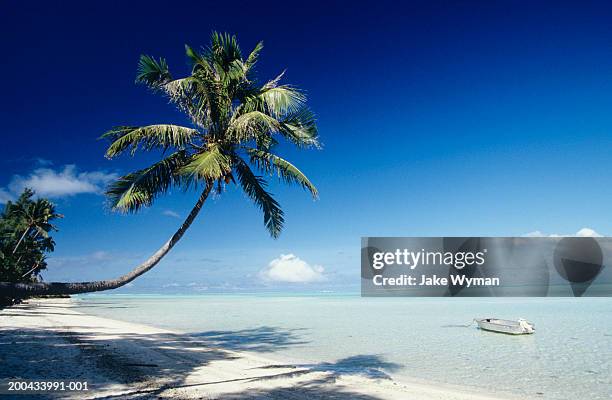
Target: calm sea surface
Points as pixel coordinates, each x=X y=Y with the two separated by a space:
x=569 y=357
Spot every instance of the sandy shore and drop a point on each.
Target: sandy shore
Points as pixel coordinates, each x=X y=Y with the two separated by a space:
x=47 y=339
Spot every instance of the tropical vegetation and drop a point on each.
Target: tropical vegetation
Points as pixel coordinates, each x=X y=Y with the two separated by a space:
x=25 y=240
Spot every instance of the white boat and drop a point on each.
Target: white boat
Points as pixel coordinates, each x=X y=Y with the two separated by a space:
x=520 y=327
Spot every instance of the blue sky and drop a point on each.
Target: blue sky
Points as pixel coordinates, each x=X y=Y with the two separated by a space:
x=479 y=118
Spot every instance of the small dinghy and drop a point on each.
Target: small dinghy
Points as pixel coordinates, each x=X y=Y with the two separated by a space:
x=520 y=327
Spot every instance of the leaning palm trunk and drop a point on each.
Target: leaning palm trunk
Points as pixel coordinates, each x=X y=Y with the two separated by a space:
x=21 y=238
x=34 y=268
x=61 y=288
x=21 y=256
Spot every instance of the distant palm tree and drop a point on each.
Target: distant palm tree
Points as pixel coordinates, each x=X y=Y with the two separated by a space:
x=36 y=215
x=25 y=227
x=235 y=125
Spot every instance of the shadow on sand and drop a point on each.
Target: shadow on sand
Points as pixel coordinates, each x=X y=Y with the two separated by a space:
x=317 y=388
x=369 y=366
x=262 y=339
x=163 y=361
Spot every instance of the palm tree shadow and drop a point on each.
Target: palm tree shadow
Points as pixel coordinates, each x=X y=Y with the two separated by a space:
x=163 y=361
x=367 y=365
x=320 y=387
x=164 y=357
x=262 y=339
x=309 y=391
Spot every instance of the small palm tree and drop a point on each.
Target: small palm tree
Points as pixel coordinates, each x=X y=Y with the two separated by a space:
x=36 y=216
x=25 y=227
x=235 y=126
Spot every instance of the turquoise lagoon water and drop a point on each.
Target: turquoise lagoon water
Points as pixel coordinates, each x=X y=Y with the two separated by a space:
x=408 y=339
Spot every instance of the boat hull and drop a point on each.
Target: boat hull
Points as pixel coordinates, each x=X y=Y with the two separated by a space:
x=504 y=326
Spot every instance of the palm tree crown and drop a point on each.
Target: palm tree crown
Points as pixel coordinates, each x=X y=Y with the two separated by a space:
x=235 y=126
x=35 y=216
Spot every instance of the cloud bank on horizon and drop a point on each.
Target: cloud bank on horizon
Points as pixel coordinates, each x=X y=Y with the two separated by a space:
x=584 y=232
x=52 y=183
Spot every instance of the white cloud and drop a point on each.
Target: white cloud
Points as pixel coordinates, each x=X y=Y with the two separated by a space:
x=170 y=213
x=48 y=182
x=584 y=232
x=534 y=234
x=587 y=232
x=289 y=268
x=5 y=196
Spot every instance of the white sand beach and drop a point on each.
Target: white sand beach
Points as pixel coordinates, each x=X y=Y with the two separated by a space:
x=47 y=339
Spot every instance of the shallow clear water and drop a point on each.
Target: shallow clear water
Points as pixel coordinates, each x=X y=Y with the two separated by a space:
x=569 y=357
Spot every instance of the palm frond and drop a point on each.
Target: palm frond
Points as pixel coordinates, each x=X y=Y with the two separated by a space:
x=199 y=62
x=179 y=88
x=253 y=56
x=271 y=163
x=223 y=49
x=300 y=128
x=209 y=165
x=265 y=142
x=274 y=82
x=133 y=191
x=213 y=101
x=252 y=125
x=42 y=231
x=148 y=137
x=254 y=186
x=184 y=93
x=152 y=72
x=278 y=101
x=236 y=71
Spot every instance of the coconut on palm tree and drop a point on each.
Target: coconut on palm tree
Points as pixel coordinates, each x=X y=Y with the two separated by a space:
x=235 y=127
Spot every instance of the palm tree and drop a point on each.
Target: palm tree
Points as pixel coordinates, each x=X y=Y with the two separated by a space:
x=25 y=227
x=235 y=126
x=37 y=216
